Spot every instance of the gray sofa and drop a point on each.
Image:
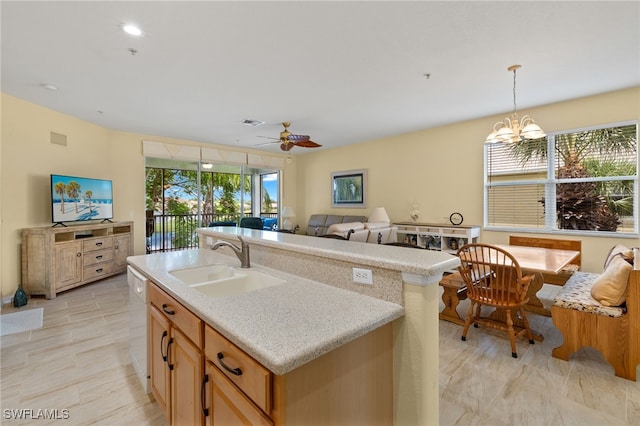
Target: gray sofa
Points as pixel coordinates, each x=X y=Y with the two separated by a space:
x=355 y=228
x=319 y=223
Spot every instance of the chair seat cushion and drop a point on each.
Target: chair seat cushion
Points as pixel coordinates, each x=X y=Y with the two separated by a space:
x=576 y=294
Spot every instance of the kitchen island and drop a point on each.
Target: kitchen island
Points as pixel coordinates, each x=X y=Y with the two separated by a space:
x=319 y=309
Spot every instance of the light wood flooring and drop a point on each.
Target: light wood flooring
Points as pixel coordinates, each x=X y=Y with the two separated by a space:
x=79 y=361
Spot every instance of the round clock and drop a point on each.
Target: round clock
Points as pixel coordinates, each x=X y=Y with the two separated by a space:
x=455 y=218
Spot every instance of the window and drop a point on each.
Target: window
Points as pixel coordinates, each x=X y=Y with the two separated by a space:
x=580 y=181
x=181 y=196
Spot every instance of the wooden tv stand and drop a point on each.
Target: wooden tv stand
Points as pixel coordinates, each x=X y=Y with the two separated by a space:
x=56 y=259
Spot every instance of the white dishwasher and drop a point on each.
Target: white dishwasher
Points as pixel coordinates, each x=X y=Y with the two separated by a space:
x=138 y=304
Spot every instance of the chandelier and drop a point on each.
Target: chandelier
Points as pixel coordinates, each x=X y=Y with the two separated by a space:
x=512 y=130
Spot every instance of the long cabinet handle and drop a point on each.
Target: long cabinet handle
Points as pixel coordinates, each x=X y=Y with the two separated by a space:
x=205 y=380
x=234 y=371
x=164 y=357
x=168 y=360
x=166 y=310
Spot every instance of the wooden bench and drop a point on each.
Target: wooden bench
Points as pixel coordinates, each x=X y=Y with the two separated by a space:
x=454 y=290
x=550 y=243
x=615 y=334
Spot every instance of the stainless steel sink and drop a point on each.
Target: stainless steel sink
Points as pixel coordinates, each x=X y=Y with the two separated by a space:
x=222 y=280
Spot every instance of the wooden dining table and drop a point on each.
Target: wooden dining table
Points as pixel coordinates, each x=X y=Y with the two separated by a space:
x=536 y=261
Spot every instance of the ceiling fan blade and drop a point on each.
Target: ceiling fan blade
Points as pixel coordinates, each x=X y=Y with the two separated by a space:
x=299 y=138
x=307 y=144
x=267 y=143
x=268 y=137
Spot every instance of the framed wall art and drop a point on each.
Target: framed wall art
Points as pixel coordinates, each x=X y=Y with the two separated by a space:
x=349 y=189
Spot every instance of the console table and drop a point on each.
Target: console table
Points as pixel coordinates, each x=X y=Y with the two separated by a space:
x=55 y=259
x=437 y=236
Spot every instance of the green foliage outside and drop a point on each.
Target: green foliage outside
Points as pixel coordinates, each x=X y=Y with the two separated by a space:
x=592 y=205
x=168 y=191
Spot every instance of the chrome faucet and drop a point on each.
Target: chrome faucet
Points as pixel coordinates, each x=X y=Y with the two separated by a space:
x=242 y=253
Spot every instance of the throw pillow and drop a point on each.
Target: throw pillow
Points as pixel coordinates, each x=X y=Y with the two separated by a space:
x=618 y=250
x=610 y=286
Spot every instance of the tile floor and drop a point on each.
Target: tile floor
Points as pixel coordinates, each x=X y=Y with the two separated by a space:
x=79 y=362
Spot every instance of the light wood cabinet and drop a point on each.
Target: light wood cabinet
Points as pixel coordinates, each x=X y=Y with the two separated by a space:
x=199 y=376
x=175 y=342
x=55 y=259
x=227 y=405
x=350 y=385
x=159 y=346
x=68 y=264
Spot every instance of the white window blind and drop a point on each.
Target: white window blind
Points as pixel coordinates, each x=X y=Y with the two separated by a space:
x=583 y=180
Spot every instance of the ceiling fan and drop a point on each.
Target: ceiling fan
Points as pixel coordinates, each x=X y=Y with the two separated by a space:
x=288 y=140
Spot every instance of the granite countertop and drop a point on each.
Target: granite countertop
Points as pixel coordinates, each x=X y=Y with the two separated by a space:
x=418 y=262
x=283 y=326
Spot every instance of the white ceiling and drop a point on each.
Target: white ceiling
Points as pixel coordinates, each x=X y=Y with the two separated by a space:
x=342 y=72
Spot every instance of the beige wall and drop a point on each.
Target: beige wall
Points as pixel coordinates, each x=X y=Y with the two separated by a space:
x=442 y=168
x=439 y=168
x=28 y=158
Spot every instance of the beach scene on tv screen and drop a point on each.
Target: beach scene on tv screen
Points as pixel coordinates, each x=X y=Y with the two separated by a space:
x=76 y=199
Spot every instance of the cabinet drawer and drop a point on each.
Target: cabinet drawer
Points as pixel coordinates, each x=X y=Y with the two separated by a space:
x=97 y=256
x=96 y=271
x=254 y=380
x=97 y=244
x=229 y=406
x=187 y=322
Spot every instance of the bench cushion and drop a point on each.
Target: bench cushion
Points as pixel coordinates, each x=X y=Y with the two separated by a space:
x=576 y=294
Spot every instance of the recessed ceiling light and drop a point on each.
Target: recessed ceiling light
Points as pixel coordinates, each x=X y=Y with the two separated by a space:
x=131 y=29
x=252 y=123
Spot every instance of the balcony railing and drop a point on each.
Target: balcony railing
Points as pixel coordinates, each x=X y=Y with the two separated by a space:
x=169 y=232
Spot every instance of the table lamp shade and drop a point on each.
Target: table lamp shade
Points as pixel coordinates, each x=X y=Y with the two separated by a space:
x=379 y=214
x=287 y=214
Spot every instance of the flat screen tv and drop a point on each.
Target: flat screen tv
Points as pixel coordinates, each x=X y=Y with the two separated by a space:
x=76 y=199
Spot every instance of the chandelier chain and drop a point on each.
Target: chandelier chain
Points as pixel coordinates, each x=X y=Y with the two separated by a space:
x=515 y=108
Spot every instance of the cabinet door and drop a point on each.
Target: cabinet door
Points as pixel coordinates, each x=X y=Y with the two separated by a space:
x=67 y=264
x=159 y=339
x=227 y=405
x=185 y=363
x=121 y=245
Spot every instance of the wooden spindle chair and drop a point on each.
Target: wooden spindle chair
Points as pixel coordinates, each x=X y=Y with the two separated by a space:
x=493 y=278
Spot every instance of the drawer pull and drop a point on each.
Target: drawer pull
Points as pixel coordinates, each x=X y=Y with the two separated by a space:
x=205 y=380
x=164 y=357
x=167 y=311
x=234 y=371
x=98 y=244
x=98 y=257
x=78 y=254
x=99 y=270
